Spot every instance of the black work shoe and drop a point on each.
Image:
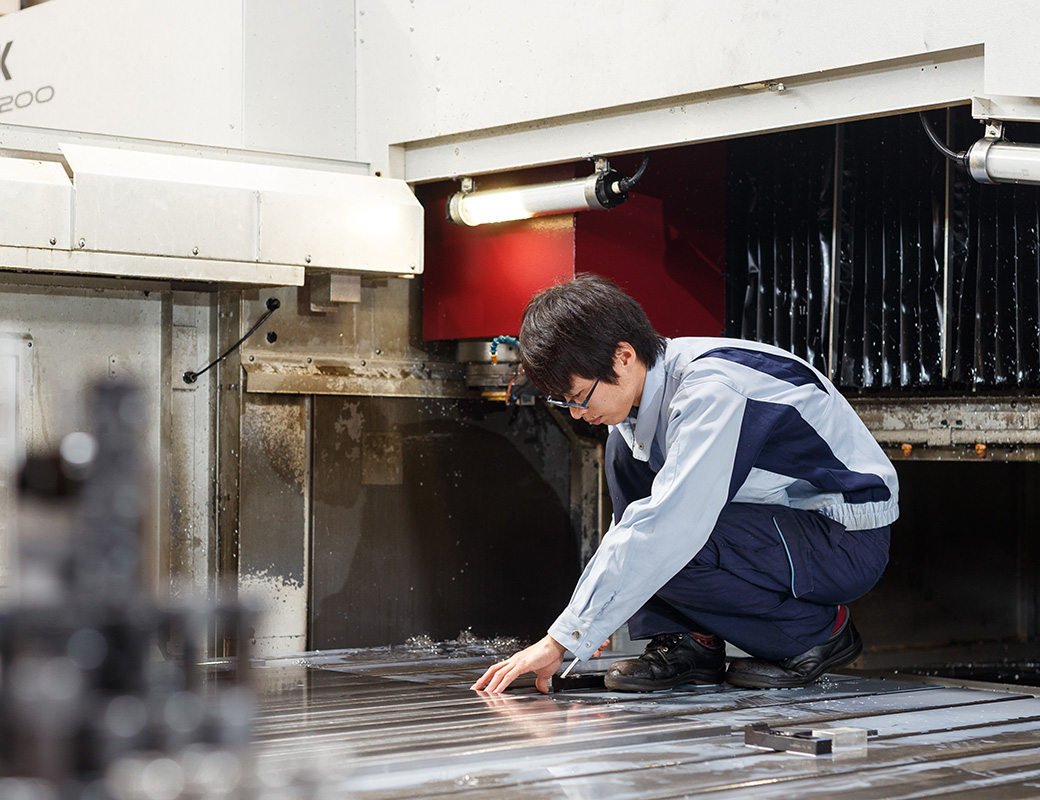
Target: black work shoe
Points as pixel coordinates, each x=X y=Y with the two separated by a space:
x=840 y=649
x=670 y=659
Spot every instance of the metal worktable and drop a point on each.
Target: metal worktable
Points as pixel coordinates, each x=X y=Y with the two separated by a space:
x=402 y=723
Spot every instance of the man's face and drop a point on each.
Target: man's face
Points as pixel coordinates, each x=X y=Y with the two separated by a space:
x=610 y=403
x=588 y=394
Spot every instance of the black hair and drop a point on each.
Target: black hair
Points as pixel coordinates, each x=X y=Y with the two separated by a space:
x=572 y=330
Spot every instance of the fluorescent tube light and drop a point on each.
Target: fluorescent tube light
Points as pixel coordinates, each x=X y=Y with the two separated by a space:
x=605 y=188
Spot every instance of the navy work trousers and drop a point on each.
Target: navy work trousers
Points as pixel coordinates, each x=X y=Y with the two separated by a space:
x=769 y=579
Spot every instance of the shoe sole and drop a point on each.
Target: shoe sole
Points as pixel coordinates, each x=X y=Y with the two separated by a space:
x=628 y=684
x=837 y=660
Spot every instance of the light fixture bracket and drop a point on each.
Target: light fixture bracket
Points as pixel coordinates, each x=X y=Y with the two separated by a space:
x=993 y=159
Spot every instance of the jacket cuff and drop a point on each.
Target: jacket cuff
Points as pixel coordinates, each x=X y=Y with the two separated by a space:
x=578 y=636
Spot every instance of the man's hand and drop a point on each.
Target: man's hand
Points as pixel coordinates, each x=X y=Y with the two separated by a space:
x=542 y=658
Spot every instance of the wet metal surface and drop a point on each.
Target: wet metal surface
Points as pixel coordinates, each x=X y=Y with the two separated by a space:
x=401 y=723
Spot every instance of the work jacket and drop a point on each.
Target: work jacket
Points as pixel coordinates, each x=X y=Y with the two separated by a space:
x=720 y=421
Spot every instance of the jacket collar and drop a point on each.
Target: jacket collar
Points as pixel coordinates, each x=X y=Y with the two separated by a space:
x=639 y=428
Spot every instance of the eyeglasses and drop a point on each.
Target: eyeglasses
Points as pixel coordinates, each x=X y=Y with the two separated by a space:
x=571 y=403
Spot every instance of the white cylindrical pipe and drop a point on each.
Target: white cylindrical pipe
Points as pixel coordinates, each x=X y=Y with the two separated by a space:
x=991 y=161
x=523 y=202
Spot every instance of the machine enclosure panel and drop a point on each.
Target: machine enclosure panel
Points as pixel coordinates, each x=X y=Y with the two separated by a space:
x=155 y=217
x=357 y=223
x=36 y=198
x=163 y=205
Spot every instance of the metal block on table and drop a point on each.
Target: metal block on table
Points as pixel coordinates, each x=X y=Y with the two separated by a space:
x=793 y=740
x=811 y=741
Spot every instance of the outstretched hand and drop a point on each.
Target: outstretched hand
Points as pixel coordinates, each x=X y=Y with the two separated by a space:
x=542 y=658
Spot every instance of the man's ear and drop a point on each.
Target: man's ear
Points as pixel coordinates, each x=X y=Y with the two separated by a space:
x=625 y=355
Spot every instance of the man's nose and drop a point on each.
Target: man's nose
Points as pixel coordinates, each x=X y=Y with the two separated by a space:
x=578 y=412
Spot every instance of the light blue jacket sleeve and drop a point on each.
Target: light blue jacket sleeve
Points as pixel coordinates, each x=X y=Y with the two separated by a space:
x=660 y=534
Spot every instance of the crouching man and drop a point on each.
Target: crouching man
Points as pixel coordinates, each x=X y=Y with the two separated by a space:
x=750 y=502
